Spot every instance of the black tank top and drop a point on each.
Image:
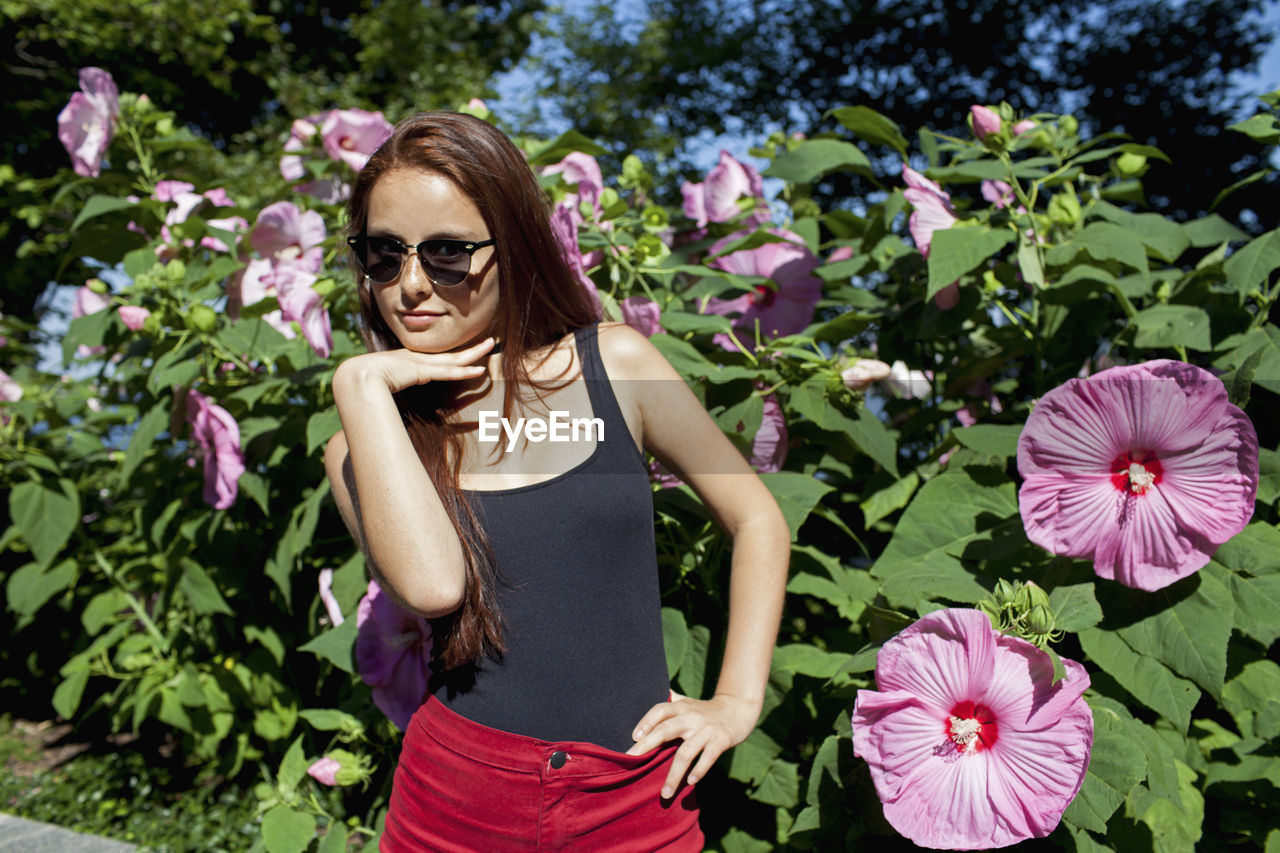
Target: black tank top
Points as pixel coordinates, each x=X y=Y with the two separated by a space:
x=579 y=594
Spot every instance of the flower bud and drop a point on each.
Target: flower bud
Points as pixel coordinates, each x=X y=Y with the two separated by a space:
x=986 y=121
x=352 y=768
x=655 y=218
x=862 y=373
x=97 y=285
x=1064 y=208
x=1023 y=126
x=1040 y=620
x=1003 y=593
x=201 y=318
x=1069 y=125
x=1130 y=165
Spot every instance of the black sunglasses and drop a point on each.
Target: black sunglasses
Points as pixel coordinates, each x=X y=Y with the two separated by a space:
x=446 y=262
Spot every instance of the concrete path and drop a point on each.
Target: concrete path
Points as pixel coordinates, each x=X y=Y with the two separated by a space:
x=18 y=835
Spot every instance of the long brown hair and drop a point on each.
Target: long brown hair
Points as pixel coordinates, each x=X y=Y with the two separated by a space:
x=539 y=302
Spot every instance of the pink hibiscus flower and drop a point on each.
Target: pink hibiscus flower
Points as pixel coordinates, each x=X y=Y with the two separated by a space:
x=716 y=198
x=863 y=373
x=353 y=135
x=1145 y=469
x=284 y=233
x=969 y=743
x=88 y=301
x=582 y=172
x=565 y=229
x=393 y=654
x=325 y=771
x=134 y=316
x=769 y=446
x=783 y=309
x=986 y=121
x=216 y=436
x=326 y=596
x=932 y=208
x=998 y=193
x=641 y=314
x=300 y=303
x=88 y=121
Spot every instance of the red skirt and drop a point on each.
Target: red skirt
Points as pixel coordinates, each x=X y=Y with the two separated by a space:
x=461 y=786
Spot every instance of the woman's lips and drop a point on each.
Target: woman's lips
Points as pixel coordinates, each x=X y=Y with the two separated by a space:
x=416 y=321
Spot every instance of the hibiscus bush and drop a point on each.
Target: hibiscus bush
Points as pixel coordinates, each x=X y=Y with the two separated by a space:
x=1015 y=423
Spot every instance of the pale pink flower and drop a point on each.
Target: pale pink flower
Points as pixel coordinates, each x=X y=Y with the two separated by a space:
x=969 y=743
x=1145 y=469
x=134 y=316
x=326 y=595
x=1023 y=126
x=300 y=303
x=330 y=190
x=969 y=413
x=840 y=253
x=784 y=308
x=393 y=654
x=301 y=132
x=353 y=135
x=88 y=121
x=88 y=301
x=169 y=190
x=10 y=391
x=252 y=283
x=986 y=121
x=284 y=233
x=582 y=172
x=641 y=314
x=932 y=208
x=998 y=193
x=216 y=437
x=716 y=198
x=769 y=446
x=860 y=375
x=905 y=382
x=235 y=224
x=325 y=771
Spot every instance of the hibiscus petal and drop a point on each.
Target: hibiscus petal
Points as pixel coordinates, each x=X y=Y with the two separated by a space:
x=942 y=658
x=1035 y=775
x=946 y=804
x=1021 y=694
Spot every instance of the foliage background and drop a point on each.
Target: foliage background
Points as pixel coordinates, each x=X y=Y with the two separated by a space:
x=130 y=603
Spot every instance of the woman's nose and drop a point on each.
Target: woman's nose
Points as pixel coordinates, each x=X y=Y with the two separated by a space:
x=413 y=278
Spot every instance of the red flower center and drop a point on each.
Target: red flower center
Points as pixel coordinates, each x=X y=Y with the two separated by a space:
x=764 y=295
x=972 y=727
x=1136 y=471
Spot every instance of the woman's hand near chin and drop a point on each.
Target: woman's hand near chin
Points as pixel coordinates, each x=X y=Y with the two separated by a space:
x=397 y=369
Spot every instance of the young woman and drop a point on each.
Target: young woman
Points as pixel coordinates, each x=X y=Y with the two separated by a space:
x=548 y=722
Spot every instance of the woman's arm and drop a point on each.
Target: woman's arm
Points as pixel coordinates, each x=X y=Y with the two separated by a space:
x=680 y=433
x=384 y=494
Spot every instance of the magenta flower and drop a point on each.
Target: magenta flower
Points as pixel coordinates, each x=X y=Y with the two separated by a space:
x=1145 y=469
x=932 y=208
x=134 y=316
x=393 y=654
x=582 y=172
x=769 y=446
x=286 y=234
x=565 y=229
x=716 y=198
x=641 y=314
x=215 y=434
x=986 y=121
x=325 y=771
x=784 y=308
x=353 y=135
x=864 y=372
x=252 y=283
x=88 y=121
x=1023 y=126
x=969 y=743
x=301 y=132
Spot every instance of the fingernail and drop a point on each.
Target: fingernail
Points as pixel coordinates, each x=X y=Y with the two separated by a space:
x=666 y=792
x=692 y=780
x=637 y=734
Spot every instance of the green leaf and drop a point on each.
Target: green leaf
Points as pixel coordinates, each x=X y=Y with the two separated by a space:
x=1187 y=634
x=951 y=512
x=566 y=143
x=69 y=692
x=331 y=720
x=1029 y=263
x=814 y=158
x=807 y=659
x=1116 y=765
x=178 y=367
x=991 y=439
x=1164 y=237
x=100 y=205
x=322 y=426
x=1174 y=827
x=1255 y=550
x=1075 y=607
x=155 y=421
x=1149 y=681
x=956 y=251
x=44 y=516
x=1105 y=241
x=1212 y=230
x=293 y=767
x=675 y=639
x=287 y=830
x=337 y=645
x=780 y=786
x=685 y=323
x=796 y=495
x=1261 y=128
x=873 y=438
x=1255 y=690
x=890 y=498
x=30 y=587
x=335 y=839
x=870 y=125
x=693 y=669
x=1251 y=265
x=1257 y=603
x=200 y=589
x=1167 y=326
x=750 y=760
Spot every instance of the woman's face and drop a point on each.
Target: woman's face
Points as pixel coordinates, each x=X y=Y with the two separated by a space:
x=411 y=205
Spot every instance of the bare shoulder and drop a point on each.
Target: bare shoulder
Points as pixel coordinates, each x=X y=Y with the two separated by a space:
x=627 y=354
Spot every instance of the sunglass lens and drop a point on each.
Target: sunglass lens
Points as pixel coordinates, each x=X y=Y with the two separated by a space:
x=446 y=261
x=382 y=259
